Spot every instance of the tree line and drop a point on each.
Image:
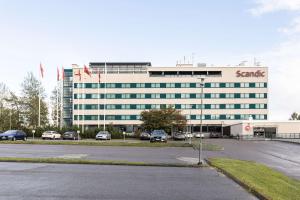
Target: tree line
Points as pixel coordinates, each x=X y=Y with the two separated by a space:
x=22 y=110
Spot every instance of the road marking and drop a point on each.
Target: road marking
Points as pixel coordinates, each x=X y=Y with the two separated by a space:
x=189 y=160
x=72 y=156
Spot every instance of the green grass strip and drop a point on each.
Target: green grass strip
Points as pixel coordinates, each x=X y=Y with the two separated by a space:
x=128 y=143
x=259 y=179
x=92 y=162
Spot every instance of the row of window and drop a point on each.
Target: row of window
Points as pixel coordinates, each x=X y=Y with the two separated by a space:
x=162 y=106
x=171 y=85
x=171 y=96
x=192 y=117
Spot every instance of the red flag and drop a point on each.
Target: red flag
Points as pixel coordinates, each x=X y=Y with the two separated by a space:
x=86 y=70
x=99 y=76
x=78 y=74
x=62 y=73
x=57 y=74
x=41 y=70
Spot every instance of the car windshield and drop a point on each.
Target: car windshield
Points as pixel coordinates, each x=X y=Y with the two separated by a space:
x=103 y=132
x=158 y=132
x=10 y=132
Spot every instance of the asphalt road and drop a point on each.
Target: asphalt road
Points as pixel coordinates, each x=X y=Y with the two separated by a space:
x=20 y=181
x=138 y=154
x=281 y=156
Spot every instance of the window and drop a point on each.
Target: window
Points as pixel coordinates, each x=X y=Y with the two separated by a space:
x=215 y=106
x=140 y=85
x=244 y=106
x=229 y=106
x=215 y=95
x=229 y=85
x=170 y=85
x=244 y=85
x=245 y=95
x=229 y=95
x=170 y=96
x=214 y=85
x=125 y=96
x=260 y=95
x=185 y=96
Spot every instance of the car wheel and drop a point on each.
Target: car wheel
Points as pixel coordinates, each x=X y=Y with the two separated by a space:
x=25 y=139
x=53 y=138
x=13 y=139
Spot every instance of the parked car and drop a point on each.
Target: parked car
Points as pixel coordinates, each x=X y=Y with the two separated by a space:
x=158 y=136
x=179 y=136
x=13 y=135
x=103 y=135
x=215 y=135
x=145 y=135
x=71 y=135
x=52 y=135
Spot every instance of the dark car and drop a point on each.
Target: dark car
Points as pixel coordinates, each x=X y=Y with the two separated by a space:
x=13 y=135
x=71 y=135
x=158 y=136
x=145 y=135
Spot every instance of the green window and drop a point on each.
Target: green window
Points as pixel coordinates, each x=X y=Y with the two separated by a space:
x=88 y=96
x=266 y=85
x=252 y=95
x=192 y=95
x=207 y=117
x=252 y=85
x=207 y=85
x=237 y=85
x=192 y=85
x=177 y=96
x=118 y=85
x=177 y=85
x=147 y=85
x=132 y=85
x=162 y=96
x=222 y=95
x=163 y=85
x=222 y=106
x=237 y=95
x=207 y=106
x=237 y=106
x=222 y=85
x=237 y=116
x=177 y=106
x=207 y=95
x=148 y=106
x=252 y=106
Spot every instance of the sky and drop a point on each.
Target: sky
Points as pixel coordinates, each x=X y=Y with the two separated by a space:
x=60 y=33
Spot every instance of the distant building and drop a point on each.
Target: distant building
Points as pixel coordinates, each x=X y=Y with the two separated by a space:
x=231 y=94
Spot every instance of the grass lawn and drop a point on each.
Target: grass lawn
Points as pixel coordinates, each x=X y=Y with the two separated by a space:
x=127 y=143
x=259 y=178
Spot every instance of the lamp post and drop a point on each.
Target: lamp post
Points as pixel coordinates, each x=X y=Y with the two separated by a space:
x=78 y=134
x=200 y=162
x=222 y=122
x=33 y=131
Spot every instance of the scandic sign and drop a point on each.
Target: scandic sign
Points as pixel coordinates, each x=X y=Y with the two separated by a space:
x=257 y=74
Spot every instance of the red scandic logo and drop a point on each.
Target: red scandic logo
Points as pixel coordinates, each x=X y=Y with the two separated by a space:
x=256 y=74
x=247 y=128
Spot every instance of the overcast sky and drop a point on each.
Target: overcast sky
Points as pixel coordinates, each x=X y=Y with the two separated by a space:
x=60 y=33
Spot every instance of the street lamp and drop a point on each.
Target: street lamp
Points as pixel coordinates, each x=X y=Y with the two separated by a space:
x=78 y=134
x=222 y=122
x=200 y=162
x=33 y=131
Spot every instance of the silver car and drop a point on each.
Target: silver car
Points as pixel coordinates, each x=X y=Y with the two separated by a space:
x=103 y=135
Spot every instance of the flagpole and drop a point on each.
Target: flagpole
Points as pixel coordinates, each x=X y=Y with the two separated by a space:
x=98 y=106
x=105 y=96
x=61 y=98
x=57 y=114
x=83 y=109
x=41 y=79
x=78 y=107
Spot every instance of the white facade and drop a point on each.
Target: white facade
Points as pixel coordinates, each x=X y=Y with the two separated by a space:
x=231 y=94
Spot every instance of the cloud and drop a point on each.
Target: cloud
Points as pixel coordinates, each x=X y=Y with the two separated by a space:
x=268 y=6
x=283 y=60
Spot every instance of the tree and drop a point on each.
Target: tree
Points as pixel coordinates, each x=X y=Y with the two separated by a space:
x=166 y=119
x=10 y=111
x=31 y=89
x=295 y=116
x=54 y=104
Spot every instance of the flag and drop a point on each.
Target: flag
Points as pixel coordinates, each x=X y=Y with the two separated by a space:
x=62 y=73
x=57 y=74
x=86 y=70
x=78 y=74
x=41 y=70
x=99 y=76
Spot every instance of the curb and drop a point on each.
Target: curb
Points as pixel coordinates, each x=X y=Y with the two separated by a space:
x=243 y=185
x=94 y=162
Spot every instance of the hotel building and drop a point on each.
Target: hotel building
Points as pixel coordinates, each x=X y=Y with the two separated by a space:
x=230 y=94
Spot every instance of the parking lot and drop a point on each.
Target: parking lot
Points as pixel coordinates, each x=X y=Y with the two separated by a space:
x=76 y=182
x=281 y=156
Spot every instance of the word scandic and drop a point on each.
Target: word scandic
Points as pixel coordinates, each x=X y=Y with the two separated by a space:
x=257 y=74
